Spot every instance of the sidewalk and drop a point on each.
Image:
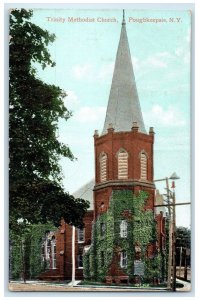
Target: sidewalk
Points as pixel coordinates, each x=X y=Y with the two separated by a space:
x=39 y=286
x=186 y=288
x=68 y=287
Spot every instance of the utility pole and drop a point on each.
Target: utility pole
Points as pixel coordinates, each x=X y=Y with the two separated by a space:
x=73 y=255
x=174 y=241
x=185 y=265
x=23 y=259
x=180 y=261
x=170 y=237
x=172 y=229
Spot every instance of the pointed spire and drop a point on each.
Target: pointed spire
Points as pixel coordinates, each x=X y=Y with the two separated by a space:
x=123 y=21
x=123 y=105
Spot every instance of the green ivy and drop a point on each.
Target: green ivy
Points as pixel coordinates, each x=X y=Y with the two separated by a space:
x=32 y=251
x=15 y=258
x=152 y=267
x=141 y=229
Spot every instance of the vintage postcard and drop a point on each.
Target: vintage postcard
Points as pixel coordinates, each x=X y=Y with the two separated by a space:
x=99 y=150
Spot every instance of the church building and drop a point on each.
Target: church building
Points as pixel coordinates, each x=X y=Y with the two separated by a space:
x=124 y=238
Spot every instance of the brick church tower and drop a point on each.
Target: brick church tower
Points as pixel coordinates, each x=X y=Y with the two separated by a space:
x=123 y=235
x=125 y=243
x=124 y=150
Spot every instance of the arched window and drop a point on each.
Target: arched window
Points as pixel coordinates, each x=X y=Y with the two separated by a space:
x=123 y=259
x=53 y=253
x=103 y=167
x=102 y=207
x=102 y=229
x=122 y=164
x=143 y=166
x=123 y=228
x=80 y=235
x=80 y=261
x=49 y=251
x=102 y=258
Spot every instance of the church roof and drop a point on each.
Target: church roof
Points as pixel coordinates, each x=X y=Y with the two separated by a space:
x=123 y=105
x=86 y=193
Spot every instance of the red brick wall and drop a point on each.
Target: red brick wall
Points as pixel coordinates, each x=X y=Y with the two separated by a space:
x=64 y=244
x=161 y=230
x=102 y=196
x=60 y=244
x=133 y=142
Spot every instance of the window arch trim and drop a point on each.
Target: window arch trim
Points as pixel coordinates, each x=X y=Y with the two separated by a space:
x=123 y=259
x=122 y=163
x=123 y=228
x=103 y=158
x=143 y=165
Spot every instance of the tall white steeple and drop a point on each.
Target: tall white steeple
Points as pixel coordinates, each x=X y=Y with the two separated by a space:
x=123 y=105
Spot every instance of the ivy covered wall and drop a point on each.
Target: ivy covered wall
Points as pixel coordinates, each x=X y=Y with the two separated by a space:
x=107 y=243
x=27 y=249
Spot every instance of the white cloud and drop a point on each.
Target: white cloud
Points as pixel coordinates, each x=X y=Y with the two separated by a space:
x=170 y=117
x=159 y=60
x=82 y=71
x=183 y=52
x=136 y=63
x=188 y=36
x=156 y=61
x=88 y=71
x=179 y=51
x=106 y=70
x=89 y=114
x=164 y=54
x=71 y=100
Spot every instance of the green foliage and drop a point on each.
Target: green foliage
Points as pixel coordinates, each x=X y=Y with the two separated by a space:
x=183 y=243
x=141 y=231
x=104 y=243
x=15 y=257
x=152 y=267
x=86 y=263
x=183 y=237
x=35 y=179
x=32 y=250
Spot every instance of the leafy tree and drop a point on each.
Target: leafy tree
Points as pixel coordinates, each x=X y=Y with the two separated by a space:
x=36 y=191
x=183 y=242
x=183 y=237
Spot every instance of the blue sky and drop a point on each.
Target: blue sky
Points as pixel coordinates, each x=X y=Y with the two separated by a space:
x=85 y=53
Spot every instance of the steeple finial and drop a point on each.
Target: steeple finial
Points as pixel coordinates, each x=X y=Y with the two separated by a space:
x=123 y=21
